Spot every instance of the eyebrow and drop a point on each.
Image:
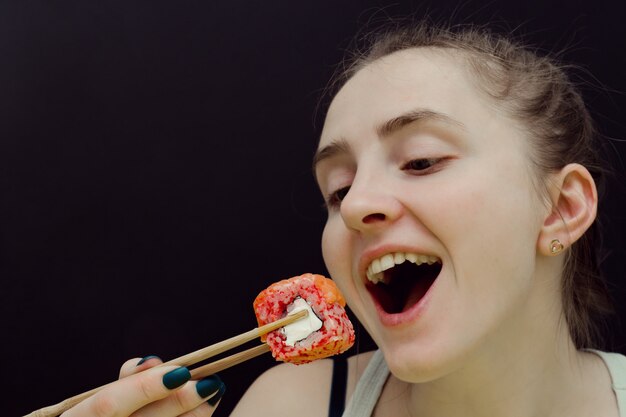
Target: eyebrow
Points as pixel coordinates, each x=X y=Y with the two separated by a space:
x=336 y=147
x=341 y=146
x=420 y=115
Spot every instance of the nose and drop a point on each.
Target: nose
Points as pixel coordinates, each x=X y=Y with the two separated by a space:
x=369 y=205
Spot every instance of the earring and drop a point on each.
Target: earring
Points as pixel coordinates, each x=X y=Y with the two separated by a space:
x=556 y=246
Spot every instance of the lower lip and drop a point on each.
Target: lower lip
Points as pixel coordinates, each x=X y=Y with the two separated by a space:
x=408 y=316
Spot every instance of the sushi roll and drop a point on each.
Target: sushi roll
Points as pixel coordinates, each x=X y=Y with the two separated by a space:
x=326 y=331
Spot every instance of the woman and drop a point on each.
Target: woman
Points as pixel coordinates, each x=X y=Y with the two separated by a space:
x=470 y=150
x=460 y=177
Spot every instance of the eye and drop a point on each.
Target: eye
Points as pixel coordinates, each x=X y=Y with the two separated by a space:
x=422 y=165
x=335 y=198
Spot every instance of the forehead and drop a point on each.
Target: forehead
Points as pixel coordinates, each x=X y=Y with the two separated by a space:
x=420 y=78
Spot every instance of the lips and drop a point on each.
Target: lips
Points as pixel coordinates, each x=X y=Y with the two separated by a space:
x=397 y=283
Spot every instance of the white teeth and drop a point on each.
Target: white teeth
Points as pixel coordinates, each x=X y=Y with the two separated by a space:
x=387 y=262
x=398 y=258
x=411 y=257
x=375 y=278
x=375 y=269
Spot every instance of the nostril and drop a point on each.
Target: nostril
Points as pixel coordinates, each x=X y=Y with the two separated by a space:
x=374 y=217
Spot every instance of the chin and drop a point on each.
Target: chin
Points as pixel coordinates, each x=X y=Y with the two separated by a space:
x=415 y=365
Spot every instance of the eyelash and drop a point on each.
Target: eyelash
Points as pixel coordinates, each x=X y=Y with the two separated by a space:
x=334 y=199
x=423 y=171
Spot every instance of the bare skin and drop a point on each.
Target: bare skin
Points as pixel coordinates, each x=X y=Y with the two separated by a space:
x=143 y=394
x=414 y=157
x=304 y=391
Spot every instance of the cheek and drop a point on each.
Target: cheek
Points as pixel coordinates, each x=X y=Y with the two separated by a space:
x=334 y=247
x=488 y=227
x=495 y=196
x=488 y=223
x=334 y=250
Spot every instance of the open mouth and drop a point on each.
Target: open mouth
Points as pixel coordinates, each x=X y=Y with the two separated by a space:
x=397 y=284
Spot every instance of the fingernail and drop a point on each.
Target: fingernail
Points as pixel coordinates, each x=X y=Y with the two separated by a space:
x=176 y=378
x=209 y=385
x=214 y=399
x=147 y=358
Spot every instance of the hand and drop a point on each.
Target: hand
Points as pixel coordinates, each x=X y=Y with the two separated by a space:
x=157 y=392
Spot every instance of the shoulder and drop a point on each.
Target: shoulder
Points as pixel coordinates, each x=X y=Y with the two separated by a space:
x=356 y=367
x=612 y=378
x=287 y=389
x=616 y=364
x=303 y=389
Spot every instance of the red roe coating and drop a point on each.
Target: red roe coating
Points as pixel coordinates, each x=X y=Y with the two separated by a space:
x=336 y=334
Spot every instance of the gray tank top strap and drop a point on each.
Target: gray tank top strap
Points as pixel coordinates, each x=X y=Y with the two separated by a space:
x=616 y=363
x=368 y=388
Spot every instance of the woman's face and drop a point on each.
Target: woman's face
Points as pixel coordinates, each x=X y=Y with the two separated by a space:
x=418 y=165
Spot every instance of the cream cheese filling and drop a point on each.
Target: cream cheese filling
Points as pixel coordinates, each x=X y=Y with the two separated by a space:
x=300 y=329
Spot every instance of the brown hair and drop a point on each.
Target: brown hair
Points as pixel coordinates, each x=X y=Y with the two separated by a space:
x=537 y=91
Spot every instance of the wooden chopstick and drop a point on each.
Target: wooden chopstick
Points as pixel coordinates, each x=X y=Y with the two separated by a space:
x=225 y=363
x=217 y=348
x=192 y=358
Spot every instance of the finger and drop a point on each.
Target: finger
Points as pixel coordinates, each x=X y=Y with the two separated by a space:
x=189 y=399
x=207 y=408
x=203 y=410
x=128 y=395
x=135 y=365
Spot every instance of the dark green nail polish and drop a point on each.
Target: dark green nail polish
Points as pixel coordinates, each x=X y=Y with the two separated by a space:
x=176 y=378
x=147 y=358
x=208 y=385
x=214 y=399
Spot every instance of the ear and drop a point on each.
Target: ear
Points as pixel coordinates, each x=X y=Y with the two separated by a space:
x=574 y=207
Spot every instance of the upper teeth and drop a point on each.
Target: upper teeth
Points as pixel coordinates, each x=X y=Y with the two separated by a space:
x=385 y=262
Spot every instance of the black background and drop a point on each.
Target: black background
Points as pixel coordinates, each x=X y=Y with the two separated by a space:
x=155 y=168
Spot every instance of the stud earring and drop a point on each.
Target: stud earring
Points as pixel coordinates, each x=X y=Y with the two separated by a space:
x=556 y=246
